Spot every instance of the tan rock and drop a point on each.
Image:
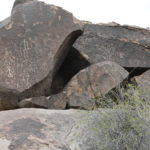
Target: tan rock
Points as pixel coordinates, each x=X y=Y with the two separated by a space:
x=91 y=83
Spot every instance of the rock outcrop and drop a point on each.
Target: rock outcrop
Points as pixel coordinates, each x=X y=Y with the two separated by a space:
x=51 y=60
x=33 y=44
x=91 y=83
x=84 y=88
x=127 y=46
x=42 y=57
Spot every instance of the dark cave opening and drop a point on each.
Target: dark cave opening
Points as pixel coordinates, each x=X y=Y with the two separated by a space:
x=73 y=63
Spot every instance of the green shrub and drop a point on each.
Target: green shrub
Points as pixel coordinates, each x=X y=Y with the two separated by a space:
x=129 y=95
x=125 y=125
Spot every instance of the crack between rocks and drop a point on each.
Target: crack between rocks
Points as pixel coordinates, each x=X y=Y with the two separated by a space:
x=43 y=87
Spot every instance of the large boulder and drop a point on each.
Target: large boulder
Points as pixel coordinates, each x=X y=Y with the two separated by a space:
x=89 y=84
x=37 y=129
x=34 y=42
x=127 y=46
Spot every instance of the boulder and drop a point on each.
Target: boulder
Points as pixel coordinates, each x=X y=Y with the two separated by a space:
x=57 y=101
x=34 y=42
x=83 y=89
x=127 y=46
x=39 y=129
x=8 y=99
x=129 y=33
x=91 y=83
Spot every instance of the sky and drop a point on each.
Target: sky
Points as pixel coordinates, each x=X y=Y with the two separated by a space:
x=129 y=12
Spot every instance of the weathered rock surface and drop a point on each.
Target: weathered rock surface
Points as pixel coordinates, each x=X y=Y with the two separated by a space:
x=91 y=83
x=73 y=63
x=143 y=84
x=17 y=2
x=57 y=101
x=8 y=99
x=130 y=33
x=143 y=80
x=34 y=102
x=38 y=129
x=127 y=46
x=33 y=44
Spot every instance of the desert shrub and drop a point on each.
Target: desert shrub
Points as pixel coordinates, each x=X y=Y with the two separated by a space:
x=126 y=94
x=125 y=130
x=124 y=122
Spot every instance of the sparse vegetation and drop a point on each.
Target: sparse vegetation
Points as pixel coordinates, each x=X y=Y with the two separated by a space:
x=124 y=124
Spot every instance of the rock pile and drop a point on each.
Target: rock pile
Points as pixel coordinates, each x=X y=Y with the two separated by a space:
x=51 y=60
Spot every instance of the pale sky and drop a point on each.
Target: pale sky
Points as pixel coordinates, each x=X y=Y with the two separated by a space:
x=131 y=12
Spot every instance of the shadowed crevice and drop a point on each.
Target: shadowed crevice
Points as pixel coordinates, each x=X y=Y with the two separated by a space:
x=44 y=87
x=135 y=71
x=73 y=63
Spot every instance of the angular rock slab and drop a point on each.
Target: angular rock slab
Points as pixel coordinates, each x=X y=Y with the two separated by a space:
x=91 y=83
x=129 y=33
x=33 y=43
x=38 y=129
x=127 y=46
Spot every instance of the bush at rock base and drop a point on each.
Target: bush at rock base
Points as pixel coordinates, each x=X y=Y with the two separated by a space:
x=126 y=126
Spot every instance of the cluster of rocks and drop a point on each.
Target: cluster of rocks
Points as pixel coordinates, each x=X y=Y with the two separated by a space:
x=49 y=59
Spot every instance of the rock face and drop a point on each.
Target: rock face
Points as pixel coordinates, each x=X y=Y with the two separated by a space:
x=34 y=42
x=57 y=101
x=143 y=84
x=34 y=102
x=38 y=129
x=84 y=88
x=43 y=66
x=17 y=2
x=73 y=63
x=127 y=46
x=8 y=99
x=143 y=80
x=91 y=83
